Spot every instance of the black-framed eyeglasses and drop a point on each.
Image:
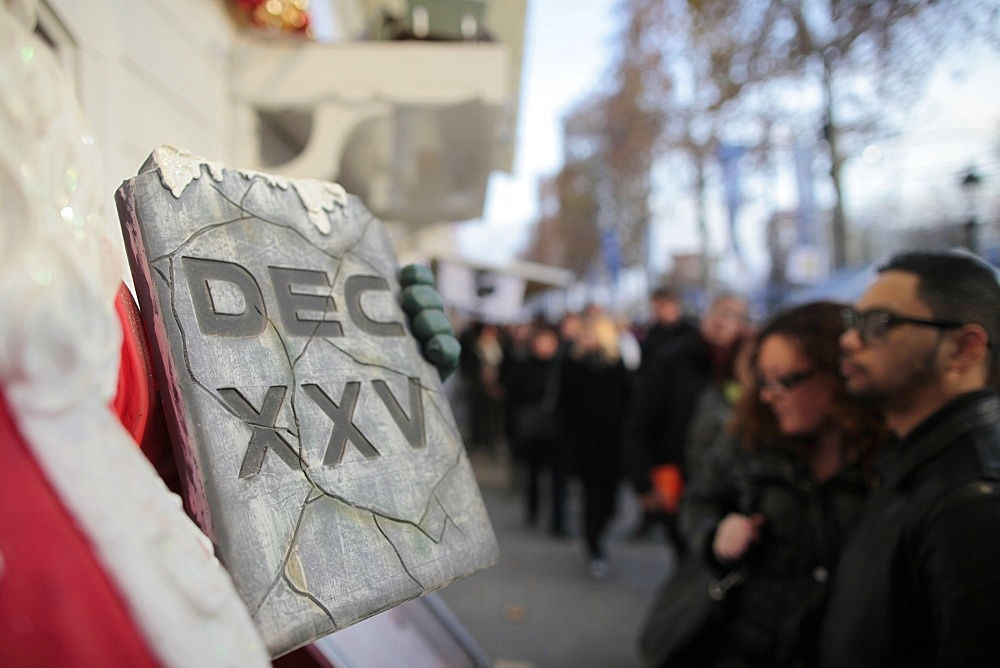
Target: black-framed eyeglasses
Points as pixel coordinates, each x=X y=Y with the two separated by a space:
x=786 y=382
x=872 y=326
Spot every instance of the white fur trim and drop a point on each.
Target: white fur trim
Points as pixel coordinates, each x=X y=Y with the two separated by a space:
x=59 y=350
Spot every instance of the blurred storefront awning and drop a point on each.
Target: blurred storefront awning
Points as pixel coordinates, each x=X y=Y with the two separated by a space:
x=494 y=292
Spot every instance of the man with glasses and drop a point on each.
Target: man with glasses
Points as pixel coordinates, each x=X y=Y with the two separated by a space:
x=919 y=583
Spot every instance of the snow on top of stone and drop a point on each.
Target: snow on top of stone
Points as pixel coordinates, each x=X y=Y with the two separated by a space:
x=179 y=167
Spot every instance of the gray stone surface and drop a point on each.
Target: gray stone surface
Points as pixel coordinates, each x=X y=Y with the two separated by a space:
x=318 y=449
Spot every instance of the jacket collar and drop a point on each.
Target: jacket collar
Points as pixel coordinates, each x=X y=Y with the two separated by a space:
x=936 y=434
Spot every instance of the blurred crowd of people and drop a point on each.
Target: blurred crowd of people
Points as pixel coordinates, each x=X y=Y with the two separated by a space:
x=603 y=401
x=827 y=477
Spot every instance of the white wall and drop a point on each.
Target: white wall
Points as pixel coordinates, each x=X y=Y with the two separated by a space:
x=152 y=72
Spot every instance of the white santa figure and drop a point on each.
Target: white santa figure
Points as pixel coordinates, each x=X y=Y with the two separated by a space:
x=99 y=565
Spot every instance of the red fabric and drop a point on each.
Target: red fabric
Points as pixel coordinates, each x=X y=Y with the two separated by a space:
x=309 y=656
x=669 y=484
x=57 y=605
x=134 y=401
x=137 y=403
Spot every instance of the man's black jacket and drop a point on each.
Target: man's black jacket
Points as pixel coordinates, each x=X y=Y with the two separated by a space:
x=668 y=391
x=919 y=582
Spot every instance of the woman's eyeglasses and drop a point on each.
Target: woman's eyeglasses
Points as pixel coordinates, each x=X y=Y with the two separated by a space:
x=785 y=383
x=872 y=326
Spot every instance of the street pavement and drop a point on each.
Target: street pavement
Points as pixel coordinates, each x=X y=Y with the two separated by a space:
x=538 y=607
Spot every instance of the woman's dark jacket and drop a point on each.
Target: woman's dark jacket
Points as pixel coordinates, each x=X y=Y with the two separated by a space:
x=532 y=387
x=594 y=397
x=774 y=615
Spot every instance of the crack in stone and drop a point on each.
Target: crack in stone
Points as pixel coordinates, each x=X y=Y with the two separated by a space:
x=169 y=258
x=390 y=606
x=288 y=549
x=362 y=232
x=374 y=365
x=312 y=599
x=399 y=556
x=249 y=215
x=159 y=271
x=275 y=223
x=199 y=233
x=441 y=413
x=365 y=227
x=288 y=555
x=433 y=496
x=447 y=519
x=282 y=574
x=175 y=388
x=252 y=215
x=373 y=511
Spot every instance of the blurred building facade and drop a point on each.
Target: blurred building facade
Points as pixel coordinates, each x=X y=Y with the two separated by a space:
x=410 y=105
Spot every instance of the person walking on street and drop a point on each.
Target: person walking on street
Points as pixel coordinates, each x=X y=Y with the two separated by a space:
x=594 y=391
x=665 y=403
x=482 y=355
x=532 y=393
x=919 y=583
x=667 y=326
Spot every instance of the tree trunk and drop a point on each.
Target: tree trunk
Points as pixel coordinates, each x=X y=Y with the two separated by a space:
x=838 y=222
x=707 y=273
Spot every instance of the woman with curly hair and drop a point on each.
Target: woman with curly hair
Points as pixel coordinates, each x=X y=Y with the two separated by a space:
x=777 y=499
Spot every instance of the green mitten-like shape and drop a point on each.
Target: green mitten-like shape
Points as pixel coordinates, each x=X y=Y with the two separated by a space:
x=417 y=298
x=423 y=304
x=416 y=274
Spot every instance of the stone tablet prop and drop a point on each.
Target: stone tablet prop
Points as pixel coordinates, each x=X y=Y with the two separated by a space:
x=316 y=445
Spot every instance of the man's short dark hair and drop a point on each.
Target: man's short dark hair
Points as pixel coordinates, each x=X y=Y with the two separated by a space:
x=956 y=286
x=666 y=293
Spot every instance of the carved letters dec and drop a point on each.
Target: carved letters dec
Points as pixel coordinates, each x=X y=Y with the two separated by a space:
x=228 y=301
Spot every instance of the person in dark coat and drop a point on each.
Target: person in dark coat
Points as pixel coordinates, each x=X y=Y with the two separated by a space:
x=775 y=502
x=919 y=583
x=665 y=404
x=714 y=409
x=594 y=395
x=532 y=387
x=667 y=326
x=479 y=363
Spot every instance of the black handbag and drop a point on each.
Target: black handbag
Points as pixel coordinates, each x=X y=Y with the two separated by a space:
x=688 y=607
x=537 y=423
